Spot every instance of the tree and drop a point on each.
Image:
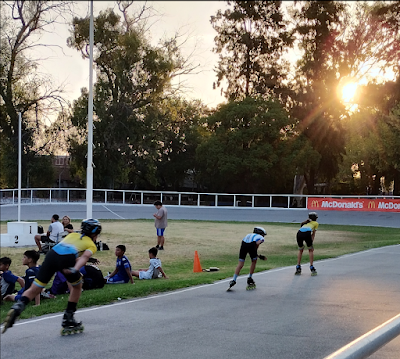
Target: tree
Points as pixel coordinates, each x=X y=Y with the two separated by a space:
x=176 y=134
x=318 y=25
x=132 y=77
x=251 y=148
x=23 y=89
x=250 y=42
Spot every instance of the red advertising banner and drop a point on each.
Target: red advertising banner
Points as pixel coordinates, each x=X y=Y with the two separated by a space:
x=354 y=204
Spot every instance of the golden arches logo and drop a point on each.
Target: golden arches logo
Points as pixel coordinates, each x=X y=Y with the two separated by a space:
x=371 y=204
x=315 y=203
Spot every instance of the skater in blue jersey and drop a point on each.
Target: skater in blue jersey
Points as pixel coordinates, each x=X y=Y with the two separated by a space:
x=249 y=245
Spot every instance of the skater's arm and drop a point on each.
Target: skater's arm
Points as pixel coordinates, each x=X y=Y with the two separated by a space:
x=313 y=235
x=82 y=260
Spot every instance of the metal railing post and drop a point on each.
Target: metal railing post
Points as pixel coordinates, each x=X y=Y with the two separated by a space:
x=370 y=342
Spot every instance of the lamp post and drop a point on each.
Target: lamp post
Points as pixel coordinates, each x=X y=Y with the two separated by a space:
x=89 y=170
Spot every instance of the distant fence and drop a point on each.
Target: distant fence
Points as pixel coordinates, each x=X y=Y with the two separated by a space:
x=78 y=195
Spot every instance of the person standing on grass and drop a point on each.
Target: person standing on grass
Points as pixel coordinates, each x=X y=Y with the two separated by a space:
x=307 y=234
x=161 y=222
x=68 y=256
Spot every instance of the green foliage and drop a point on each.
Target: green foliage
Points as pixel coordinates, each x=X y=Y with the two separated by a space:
x=318 y=25
x=132 y=79
x=23 y=89
x=251 y=148
x=251 y=39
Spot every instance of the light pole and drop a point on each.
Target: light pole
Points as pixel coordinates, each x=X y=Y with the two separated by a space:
x=89 y=170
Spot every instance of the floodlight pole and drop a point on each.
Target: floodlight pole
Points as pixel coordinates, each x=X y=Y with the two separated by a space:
x=19 y=163
x=89 y=170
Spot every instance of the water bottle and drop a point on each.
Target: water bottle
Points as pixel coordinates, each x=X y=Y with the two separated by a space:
x=101 y=245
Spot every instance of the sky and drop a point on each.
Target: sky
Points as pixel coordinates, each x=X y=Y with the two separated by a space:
x=67 y=67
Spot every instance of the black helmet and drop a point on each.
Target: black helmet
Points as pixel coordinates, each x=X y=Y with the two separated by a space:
x=260 y=230
x=313 y=216
x=90 y=227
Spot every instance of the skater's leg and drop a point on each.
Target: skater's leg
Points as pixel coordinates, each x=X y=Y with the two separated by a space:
x=253 y=266
x=239 y=267
x=299 y=255
x=311 y=254
x=75 y=293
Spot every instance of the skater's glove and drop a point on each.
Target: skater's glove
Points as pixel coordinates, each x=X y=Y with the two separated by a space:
x=263 y=258
x=70 y=270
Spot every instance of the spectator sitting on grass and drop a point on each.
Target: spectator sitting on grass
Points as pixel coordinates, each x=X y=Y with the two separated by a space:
x=8 y=279
x=122 y=272
x=29 y=259
x=154 y=267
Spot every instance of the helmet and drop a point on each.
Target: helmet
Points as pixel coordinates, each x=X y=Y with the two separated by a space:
x=260 y=230
x=90 y=227
x=313 y=216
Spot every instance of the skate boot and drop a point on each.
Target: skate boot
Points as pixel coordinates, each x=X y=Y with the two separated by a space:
x=15 y=311
x=250 y=284
x=231 y=284
x=70 y=325
x=313 y=271
x=298 y=270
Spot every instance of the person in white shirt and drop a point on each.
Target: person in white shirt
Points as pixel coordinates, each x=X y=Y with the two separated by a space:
x=154 y=267
x=53 y=234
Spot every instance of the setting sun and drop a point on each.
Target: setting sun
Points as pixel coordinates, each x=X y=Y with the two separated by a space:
x=349 y=91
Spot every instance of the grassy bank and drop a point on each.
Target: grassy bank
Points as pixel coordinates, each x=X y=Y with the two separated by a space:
x=217 y=244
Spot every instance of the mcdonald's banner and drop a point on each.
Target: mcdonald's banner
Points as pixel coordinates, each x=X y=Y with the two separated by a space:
x=354 y=204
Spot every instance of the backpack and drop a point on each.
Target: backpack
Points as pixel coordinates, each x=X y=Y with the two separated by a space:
x=59 y=285
x=92 y=277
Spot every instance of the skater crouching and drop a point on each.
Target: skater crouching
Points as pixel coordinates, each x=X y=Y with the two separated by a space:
x=249 y=245
x=307 y=234
x=68 y=256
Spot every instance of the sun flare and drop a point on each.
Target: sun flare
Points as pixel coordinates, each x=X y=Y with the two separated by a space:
x=348 y=91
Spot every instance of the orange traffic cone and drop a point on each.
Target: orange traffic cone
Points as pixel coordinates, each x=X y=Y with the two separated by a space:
x=196 y=264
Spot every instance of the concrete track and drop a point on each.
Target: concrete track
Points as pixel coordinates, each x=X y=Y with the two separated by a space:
x=286 y=317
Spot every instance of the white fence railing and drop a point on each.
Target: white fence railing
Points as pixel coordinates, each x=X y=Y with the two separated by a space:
x=78 y=195
x=370 y=342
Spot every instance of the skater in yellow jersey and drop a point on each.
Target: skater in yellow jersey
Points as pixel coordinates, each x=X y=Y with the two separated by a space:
x=68 y=256
x=307 y=234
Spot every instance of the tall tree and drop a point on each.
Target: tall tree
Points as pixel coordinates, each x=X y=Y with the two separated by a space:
x=318 y=25
x=251 y=38
x=132 y=76
x=23 y=89
x=251 y=148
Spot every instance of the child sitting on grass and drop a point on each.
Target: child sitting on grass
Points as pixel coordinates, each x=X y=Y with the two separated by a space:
x=154 y=268
x=122 y=272
x=8 y=279
x=29 y=259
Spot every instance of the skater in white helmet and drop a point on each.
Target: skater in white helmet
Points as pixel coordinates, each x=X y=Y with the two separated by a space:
x=307 y=234
x=249 y=245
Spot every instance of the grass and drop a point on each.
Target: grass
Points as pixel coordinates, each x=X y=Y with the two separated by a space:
x=217 y=244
